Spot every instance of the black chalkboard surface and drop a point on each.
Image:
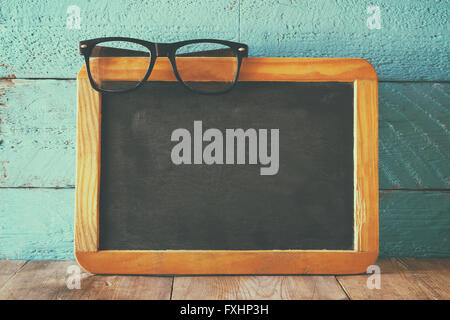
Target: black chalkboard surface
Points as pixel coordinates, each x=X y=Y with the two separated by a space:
x=149 y=203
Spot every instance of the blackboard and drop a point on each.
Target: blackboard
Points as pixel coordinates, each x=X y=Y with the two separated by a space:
x=148 y=202
x=299 y=196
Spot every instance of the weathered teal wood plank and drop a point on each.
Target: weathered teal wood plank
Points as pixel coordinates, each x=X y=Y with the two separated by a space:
x=37 y=133
x=412 y=43
x=414 y=224
x=414 y=135
x=37 y=224
x=38 y=129
x=37 y=43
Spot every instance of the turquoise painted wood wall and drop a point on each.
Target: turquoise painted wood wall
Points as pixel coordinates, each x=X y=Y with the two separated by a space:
x=39 y=61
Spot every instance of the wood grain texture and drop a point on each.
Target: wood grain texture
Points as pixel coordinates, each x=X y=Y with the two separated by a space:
x=47 y=280
x=195 y=262
x=8 y=268
x=411 y=44
x=88 y=167
x=366 y=171
x=405 y=278
x=410 y=31
x=154 y=20
x=98 y=287
x=252 y=69
x=36 y=223
x=37 y=280
x=415 y=224
x=38 y=134
x=257 y=287
x=412 y=279
x=433 y=275
x=414 y=136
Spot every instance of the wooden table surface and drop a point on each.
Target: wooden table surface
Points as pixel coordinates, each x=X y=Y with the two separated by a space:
x=401 y=278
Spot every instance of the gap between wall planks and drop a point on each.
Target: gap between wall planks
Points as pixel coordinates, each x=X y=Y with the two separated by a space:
x=358 y=71
x=401 y=278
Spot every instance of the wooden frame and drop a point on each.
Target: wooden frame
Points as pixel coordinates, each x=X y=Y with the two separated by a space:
x=365 y=252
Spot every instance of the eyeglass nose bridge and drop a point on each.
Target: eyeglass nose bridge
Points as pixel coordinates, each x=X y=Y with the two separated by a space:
x=162 y=49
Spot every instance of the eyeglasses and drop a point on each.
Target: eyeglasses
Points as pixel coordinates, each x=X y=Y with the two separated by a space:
x=205 y=66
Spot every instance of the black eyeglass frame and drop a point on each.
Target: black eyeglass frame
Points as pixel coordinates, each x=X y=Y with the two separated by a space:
x=162 y=50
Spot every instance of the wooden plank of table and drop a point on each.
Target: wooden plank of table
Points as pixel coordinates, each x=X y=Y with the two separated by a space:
x=432 y=275
x=47 y=280
x=37 y=280
x=96 y=287
x=402 y=279
x=257 y=287
x=8 y=268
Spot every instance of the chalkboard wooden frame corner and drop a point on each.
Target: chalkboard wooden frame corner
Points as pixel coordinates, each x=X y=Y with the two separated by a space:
x=366 y=246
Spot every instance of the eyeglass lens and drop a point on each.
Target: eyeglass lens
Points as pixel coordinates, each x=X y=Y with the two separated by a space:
x=103 y=63
x=207 y=67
